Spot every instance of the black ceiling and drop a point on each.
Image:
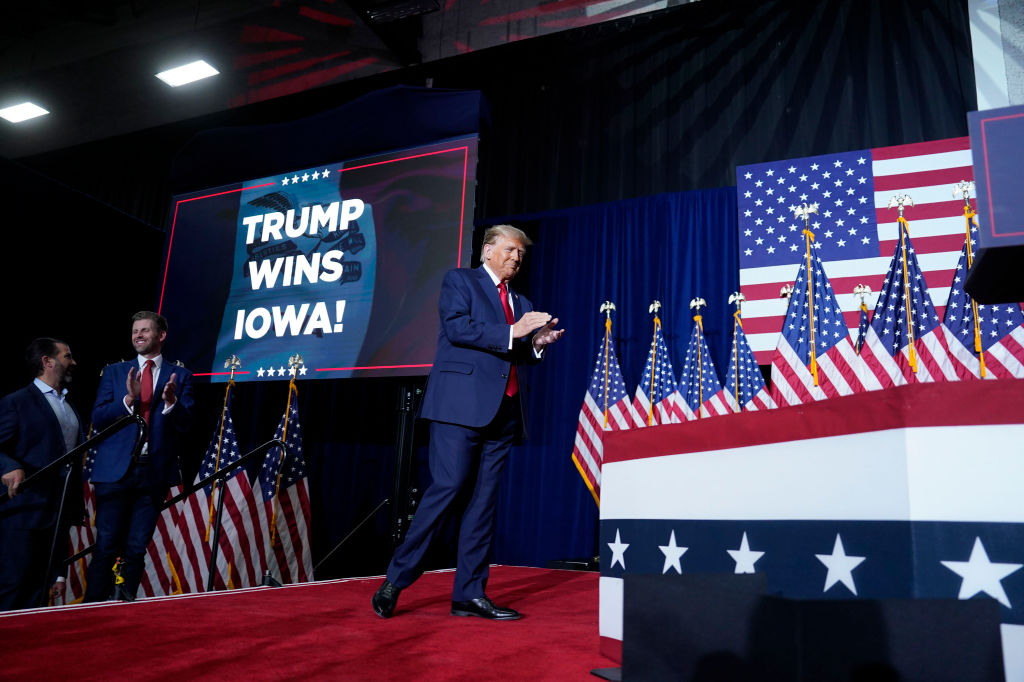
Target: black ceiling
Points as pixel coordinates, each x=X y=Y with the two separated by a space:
x=92 y=64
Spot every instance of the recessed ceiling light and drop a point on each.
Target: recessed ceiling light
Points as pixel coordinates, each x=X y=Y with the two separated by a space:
x=22 y=112
x=187 y=73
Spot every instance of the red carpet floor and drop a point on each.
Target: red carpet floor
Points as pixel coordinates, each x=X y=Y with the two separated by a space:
x=319 y=631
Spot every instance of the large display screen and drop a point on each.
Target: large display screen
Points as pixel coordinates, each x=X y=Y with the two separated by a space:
x=340 y=263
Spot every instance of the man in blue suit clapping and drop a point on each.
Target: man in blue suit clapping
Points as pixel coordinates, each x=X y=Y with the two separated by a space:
x=475 y=403
x=129 y=491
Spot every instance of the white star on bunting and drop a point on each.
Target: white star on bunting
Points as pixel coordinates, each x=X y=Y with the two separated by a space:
x=982 y=575
x=672 y=553
x=840 y=566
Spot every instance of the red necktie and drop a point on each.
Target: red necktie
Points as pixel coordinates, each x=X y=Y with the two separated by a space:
x=513 y=382
x=146 y=398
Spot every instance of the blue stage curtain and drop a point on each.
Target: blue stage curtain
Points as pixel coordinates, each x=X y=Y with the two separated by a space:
x=669 y=247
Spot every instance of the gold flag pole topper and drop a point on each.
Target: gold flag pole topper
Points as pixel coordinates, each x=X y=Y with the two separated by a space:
x=737 y=298
x=804 y=211
x=900 y=202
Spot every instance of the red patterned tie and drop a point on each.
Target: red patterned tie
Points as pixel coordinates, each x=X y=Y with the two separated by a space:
x=146 y=398
x=513 y=381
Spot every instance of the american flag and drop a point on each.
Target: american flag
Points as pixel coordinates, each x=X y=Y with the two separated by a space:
x=997 y=338
x=856 y=232
x=238 y=559
x=744 y=386
x=656 y=400
x=161 y=571
x=80 y=537
x=698 y=383
x=283 y=516
x=905 y=324
x=606 y=407
x=815 y=358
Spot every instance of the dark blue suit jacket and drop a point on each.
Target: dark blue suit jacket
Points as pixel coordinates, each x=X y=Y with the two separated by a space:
x=165 y=431
x=31 y=438
x=470 y=372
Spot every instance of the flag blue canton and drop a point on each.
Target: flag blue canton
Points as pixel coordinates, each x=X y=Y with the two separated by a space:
x=88 y=464
x=229 y=453
x=745 y=378
x=698 y=381
x=890 y=318
x=829 y=327
x=616 y=386
x=660 y=365
x=996 y=320
x=841 y=184
x=293 y=464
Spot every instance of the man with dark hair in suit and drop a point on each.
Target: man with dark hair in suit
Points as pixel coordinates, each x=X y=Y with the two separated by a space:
x=129 y=492
x=37 y=426
x=474 y=401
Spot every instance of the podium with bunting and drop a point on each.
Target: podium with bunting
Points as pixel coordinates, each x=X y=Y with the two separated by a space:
x=908 y=493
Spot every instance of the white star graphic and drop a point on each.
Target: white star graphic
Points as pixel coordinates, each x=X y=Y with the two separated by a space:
x=325 y=173
x=618 y=551
x=260 y=372
x=302 y=371
x=285 y=181
x=840 y=566
x=280 y=371
x=744 y=557
x=316 y=174
x=981 y=575
x=672 y=554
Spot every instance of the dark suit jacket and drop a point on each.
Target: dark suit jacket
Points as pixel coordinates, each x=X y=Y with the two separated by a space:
x=470 y=372
x=31 y=438
x=165 y=431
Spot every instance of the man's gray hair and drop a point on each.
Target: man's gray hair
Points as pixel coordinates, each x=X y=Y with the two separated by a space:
x=507 y=231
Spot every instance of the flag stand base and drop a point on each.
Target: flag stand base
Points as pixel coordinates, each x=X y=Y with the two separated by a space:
x=270 y=581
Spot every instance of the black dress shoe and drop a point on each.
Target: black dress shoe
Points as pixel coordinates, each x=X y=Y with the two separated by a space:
x=385 y=599
x=483 y=608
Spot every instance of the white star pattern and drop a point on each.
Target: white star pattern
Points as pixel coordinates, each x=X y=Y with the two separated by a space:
x=982 y=575
x=672 y=554
x=744 y=557
x=618 y=551
x=840 y=566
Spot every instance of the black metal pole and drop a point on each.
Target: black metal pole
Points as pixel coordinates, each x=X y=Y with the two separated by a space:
x=216 y=535
x=57 y=525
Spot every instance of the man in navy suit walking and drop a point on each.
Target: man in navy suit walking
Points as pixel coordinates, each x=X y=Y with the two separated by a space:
x=129 y=491
x=37 y=426
x=475 y=403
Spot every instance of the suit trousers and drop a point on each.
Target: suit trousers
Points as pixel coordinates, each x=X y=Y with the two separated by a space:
x=26 y=552
x=460 y=457
x=126 y=515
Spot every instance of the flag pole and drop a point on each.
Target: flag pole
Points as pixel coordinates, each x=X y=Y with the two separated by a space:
x=737 y=298
x=697 y=303
x=607 y=307
x=804 y=211
x=863 y=291
x=964 y=189
x=232 y=363
x=900 y=202
x=653 y=308
x=293 y=362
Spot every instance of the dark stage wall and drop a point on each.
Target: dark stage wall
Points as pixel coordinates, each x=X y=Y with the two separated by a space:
x=666 y=102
